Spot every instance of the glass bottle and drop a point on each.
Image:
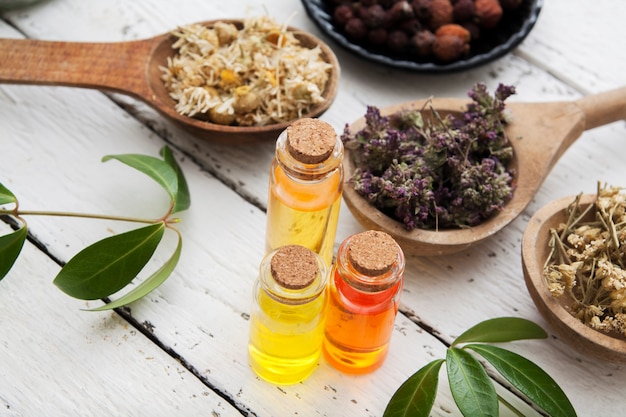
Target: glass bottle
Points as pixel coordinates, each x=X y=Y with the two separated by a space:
x=287 y=316
x=305 y=187
x=364 y=293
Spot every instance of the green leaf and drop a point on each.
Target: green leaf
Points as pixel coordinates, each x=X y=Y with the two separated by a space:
x=416 y=396
x=470 y=385
x=528 y=378
x=110 y=264
x=10 y=248
x=155 y=168
x=182 y=199
x=502 y=329
x=149 y=284
x=6 y=196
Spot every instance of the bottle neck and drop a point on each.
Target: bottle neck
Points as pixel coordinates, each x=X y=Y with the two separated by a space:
x=300 y=170
x=292 y=296
x=363 y=282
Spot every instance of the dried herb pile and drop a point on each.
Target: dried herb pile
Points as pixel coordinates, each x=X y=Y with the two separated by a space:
x=588 y=261
x=448 y=172
x=255 y=75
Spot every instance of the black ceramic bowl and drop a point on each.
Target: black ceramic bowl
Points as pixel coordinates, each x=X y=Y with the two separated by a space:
x=509 y=33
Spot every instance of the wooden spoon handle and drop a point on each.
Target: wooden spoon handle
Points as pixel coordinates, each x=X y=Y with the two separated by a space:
x=603 y=108
x=118 y=67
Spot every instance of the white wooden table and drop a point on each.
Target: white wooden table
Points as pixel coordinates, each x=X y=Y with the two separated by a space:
x=181 y=351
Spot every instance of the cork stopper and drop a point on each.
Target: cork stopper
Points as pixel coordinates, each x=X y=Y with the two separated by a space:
x=373 y=252
x=310 y=141
x=294 y=267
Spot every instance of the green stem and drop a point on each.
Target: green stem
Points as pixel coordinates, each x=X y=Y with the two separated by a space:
x=19 y=213
x=510 y=406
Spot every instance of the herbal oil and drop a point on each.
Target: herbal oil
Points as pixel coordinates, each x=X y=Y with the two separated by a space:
x=305 y=188
x=304 y=213
x=358 y=326
x=287 y=318
x=365 y=287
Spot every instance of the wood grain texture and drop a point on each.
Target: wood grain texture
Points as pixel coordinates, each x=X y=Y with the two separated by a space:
x=58 y=362
x=200 y=313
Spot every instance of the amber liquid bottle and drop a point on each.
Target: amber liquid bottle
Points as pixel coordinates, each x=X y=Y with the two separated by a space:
x=287 y=316
x=305 y=187
x=364 y=293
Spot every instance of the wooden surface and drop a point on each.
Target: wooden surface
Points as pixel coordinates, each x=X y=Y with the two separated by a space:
x=182 y=350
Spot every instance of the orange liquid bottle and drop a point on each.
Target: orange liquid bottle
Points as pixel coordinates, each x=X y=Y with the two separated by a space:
x=305 y=188
x=364 y=294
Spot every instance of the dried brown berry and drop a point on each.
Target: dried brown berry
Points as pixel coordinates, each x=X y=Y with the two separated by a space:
x=342 y=14
x=401 y=10
x=373 y=16
x=448 y=48
x=463 y=10
x=410 y=26
x=453 y=29
x=421 y=44
x=397 y=41
x=488 y=13
x=377 y=37
x=422 y=9
x=473 y=29
x=442 y=13
x=355 y=29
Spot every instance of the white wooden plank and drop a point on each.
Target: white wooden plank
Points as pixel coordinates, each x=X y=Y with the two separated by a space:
x=58 y=361
x=564 y=43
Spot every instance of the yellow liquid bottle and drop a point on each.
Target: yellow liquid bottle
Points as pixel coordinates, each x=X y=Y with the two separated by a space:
x=287 y=316
x=364 y=295
x=305 y=187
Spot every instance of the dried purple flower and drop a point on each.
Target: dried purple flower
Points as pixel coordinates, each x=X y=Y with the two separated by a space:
x=451 y=172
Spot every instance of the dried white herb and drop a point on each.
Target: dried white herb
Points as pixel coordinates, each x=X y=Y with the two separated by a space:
x=588 y=262
x=253 y=76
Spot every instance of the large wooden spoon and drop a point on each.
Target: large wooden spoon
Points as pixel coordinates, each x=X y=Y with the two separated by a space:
x=134 y=68
x=540 y=133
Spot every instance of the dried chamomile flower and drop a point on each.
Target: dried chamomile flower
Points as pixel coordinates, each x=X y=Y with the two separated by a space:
x=619 y=323
x=554 y=279
x=604 y=325
x=588 y=262
x=568 y=273
x=253 y=76
x=619 y=300
x=612 y=276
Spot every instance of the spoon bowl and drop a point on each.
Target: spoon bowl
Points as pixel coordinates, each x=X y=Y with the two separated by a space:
x=134 y=68
x=535 y=252
x=540 y=133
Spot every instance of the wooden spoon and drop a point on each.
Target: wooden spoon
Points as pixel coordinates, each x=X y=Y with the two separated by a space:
x=540 y=133
x=535 y=252
x=133 y=68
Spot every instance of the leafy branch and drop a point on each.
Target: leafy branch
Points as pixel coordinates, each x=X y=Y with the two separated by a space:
x=472 y=389
x=109 y=265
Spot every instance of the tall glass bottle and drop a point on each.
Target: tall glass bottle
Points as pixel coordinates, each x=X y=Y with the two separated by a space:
x=305 y=187
x=364 y=293
x=287 y=316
